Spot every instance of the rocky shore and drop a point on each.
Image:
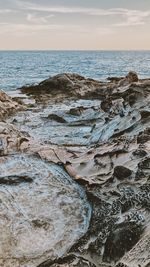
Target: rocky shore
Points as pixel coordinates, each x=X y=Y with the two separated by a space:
x=75 y=173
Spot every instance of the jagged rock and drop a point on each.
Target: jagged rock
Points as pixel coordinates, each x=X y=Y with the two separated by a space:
x=132 y=77
x=70 y=261
x=66 y=83
x=11 y=139
x=8 y=106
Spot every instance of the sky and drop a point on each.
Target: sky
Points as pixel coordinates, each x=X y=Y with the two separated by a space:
x=75 y=25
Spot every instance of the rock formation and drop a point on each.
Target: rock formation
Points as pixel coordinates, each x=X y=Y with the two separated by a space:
x=75 y=174
x=8 y=106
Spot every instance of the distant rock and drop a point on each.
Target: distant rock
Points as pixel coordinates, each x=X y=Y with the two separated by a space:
x=66 y=84
x=132 y=77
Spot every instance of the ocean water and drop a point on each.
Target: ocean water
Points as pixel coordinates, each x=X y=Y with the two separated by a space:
x=18 y=68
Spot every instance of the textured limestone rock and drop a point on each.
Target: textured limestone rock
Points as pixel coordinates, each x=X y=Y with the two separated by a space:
x=11 y=139
x=97 y=134
x=7 y=105
x=42 y=211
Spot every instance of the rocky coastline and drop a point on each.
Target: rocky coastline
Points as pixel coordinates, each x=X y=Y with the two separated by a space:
x=75 y=173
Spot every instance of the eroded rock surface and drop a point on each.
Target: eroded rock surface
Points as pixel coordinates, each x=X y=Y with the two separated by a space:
x=8 y=106
x=80 y=146
x=42 y=211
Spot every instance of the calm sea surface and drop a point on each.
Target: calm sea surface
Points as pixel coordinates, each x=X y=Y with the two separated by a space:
x=18 y=68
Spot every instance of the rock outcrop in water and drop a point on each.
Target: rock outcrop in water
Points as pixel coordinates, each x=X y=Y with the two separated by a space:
x=75 y=174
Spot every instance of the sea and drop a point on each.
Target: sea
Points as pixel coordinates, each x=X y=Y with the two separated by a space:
x=18 y=68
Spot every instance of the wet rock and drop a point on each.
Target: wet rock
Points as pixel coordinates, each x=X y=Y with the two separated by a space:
x=56 y=117
x=143 y=136
x=138 y=255
x=76 y=111
x=69 y=261
x=145 y=114
x=122 y=172
x=14 y=179
x=139 y=153
x=123 y=237
x=115 y=79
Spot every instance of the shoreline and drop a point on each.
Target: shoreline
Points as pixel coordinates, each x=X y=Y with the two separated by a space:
x=97 y=133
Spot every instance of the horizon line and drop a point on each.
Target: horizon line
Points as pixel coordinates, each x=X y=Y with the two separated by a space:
x=75 y=50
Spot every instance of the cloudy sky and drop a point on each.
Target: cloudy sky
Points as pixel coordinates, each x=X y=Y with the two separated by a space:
x=75 y=24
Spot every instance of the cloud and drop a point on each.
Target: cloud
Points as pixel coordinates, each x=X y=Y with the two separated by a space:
x=134 y=18
x=14 y=29
x=5 y=11
x=34 y=18
x=126 y=17
x=83 y=10
x=69 y=10
x=37 y=14
x=22 y=29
